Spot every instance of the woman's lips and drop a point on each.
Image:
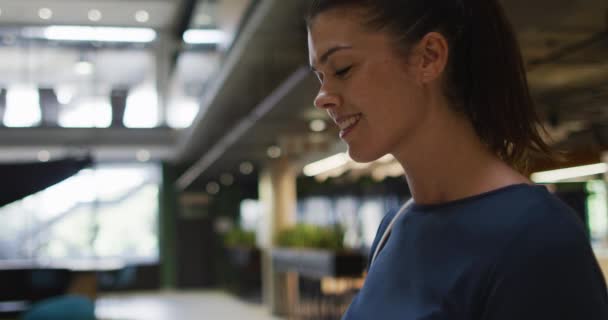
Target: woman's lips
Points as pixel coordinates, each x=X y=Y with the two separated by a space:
x=348 y=124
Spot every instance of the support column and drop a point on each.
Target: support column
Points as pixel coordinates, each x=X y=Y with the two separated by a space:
x=164 y=54
x=49 y=107
x=118 y=102
x=167 y=219
x=277 y=188
x=2 y=106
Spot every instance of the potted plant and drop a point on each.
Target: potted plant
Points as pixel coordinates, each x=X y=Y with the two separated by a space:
x=244 y=265
x=316 y=252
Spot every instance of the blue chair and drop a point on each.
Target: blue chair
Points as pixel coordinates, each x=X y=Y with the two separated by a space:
x=67 y=307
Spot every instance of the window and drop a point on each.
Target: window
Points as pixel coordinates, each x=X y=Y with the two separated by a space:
x=109 y=211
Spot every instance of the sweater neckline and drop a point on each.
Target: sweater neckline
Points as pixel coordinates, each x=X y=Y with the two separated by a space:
x=443 y=205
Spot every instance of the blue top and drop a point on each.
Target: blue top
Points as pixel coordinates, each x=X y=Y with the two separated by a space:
x=513 y=253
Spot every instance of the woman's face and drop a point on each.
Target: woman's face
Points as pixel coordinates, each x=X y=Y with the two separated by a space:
x=368 y=87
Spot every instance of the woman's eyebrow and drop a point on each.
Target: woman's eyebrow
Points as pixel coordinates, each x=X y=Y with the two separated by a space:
x=325 y=56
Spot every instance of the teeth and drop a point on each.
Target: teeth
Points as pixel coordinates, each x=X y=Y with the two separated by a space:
x=349 y=122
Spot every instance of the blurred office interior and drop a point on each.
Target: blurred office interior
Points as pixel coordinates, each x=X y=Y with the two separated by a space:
x=163 y=158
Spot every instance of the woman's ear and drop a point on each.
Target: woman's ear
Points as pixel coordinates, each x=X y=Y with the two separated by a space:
x=433 y=56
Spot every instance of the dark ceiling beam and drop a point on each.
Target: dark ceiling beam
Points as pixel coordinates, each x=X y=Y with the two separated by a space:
x=573 y=158
x=184 y=17
x=567 y=50
x=183 y=20
x=236 y=133
x=580 y=148
x=232 y=65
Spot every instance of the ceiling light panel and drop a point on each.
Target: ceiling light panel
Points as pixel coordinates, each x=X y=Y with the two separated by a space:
x=95 y=15
x=157 y=14
x=142 y=16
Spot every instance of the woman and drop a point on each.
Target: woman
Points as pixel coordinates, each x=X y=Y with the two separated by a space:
x=441 y=86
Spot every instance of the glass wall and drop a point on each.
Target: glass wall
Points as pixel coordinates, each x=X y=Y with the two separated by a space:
x=358 y=216
x=109 y=211
x=597 y=210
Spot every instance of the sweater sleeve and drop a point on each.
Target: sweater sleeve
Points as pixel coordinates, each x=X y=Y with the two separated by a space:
x=547 y=273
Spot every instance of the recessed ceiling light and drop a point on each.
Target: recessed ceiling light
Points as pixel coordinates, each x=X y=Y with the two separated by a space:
x=44 y=156
x=227 y=179
x=84 y=68
x=274 y=152
x=246 y=168
x=213 y=187
x=317 y=125
x=142 y=16
x=143 y=155
x=64 y=94
x=94 y=15
x=45 y=13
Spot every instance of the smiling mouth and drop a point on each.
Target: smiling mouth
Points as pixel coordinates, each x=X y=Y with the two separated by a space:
x=347 y=125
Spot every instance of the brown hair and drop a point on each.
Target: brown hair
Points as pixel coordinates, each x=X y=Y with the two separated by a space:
x=486 y=78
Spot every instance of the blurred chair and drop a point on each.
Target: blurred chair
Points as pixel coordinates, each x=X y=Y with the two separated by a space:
x=47 y=283
x=117 y=280
x=67 y=307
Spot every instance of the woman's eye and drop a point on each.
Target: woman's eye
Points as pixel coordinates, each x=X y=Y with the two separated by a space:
x=342 y=72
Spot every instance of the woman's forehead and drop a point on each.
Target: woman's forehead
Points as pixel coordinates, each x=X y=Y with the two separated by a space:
x=346 y=17
x=330 y=32
x=331 y=29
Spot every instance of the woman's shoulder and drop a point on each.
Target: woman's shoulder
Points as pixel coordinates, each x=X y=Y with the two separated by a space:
x=542 y=224
x=526 y=208
x=547 y=266
x=548 y=214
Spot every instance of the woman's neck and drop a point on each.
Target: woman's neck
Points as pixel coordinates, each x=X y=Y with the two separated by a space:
x=447 y=161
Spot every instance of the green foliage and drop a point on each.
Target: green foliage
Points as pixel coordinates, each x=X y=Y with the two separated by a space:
x=239 y=238
x=310 y=236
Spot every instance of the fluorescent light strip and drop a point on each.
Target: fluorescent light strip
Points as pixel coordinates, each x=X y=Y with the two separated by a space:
x=102 y=34
x=198 y=36
x=569 y=173
x=326 y=164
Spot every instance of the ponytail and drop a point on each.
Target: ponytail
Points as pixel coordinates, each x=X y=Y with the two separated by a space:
x=496 y=95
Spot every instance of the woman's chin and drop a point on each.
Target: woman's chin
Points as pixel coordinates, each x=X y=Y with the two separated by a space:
x=363 y=157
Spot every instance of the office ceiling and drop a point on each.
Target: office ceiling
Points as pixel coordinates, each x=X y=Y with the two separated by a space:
x=53 y=64
x=161 y=13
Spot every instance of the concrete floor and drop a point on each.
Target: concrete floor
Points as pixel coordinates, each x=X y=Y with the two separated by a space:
x=182 y=305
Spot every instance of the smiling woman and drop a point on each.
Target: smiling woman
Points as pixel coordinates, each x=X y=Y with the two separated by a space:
x=441 y=86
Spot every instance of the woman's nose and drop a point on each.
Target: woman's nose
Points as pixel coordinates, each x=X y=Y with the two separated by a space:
x=326 y=100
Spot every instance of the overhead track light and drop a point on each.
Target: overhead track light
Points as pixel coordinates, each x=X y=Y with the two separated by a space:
x=204 y=36
x=326 y=164
x=569 y=173
x=99 y=34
